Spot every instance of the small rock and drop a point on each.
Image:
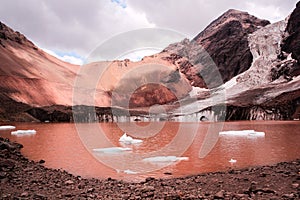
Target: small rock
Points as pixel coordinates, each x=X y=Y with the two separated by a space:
x=7 y=164
x=39 y=196
x=24 y=194
x=149 y=179
x=3 y=175
x=91 y=190
x=253 y=186
x=268 y=190
x=219 y=195
x=69 y=182
x=289 y=196
x=147 y=188
x=42 y=161
x=295 y=185
x=4 y=180
x=68 y=195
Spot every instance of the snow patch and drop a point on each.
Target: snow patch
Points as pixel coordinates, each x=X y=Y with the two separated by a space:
x=229 y=84
x=197 y=90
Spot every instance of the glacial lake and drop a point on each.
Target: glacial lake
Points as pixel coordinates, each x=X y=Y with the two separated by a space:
x=168 y=149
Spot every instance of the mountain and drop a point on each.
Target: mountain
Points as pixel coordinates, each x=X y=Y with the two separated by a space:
x=225 y=41
x=29 y=76
x=257 y=61
x=37 y=86
x=238 y=60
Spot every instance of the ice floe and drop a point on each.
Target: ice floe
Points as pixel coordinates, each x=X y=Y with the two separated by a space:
x=128 y=171
x=23 y=132
x=243 y=133
x=129 y=140
x=165 y=159
x=7 y=127
x=112 y=150
x=232 y=161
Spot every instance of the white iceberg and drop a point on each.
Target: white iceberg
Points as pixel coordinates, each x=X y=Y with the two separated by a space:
x=232 y=161
x=243 y=133
x=112 y=150
x=23 y=132
x=165 y=159
x=129 y=140
x=7 y=127
x=128 y=171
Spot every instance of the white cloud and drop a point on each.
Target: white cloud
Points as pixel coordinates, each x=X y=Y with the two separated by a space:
x=271 y=12
x=70 y=25
x=138 y=54
x=80 y=26
x=192 y=16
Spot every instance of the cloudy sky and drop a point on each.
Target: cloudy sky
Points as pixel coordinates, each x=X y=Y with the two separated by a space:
x=71 y=29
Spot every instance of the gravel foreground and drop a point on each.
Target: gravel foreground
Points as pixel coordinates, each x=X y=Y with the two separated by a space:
x=21 y=178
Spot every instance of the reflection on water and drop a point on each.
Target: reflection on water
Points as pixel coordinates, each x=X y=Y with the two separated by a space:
x=60 y=146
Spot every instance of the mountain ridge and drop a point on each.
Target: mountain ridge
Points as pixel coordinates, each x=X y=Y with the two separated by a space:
x=256 y=60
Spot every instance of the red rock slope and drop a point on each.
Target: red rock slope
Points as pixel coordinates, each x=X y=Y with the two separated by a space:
x=31 y=76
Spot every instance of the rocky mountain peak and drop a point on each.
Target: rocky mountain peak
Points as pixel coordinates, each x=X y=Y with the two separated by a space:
x=225 y=40
x=291 y=42
x=13 y=37
x=230 y=18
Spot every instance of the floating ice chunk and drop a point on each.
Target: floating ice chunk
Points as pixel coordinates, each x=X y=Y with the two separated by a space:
x=243 y=133
x=232 y=161
x=23 y=132
x=129 y=140
x=112 y=150
x=128 y=171
x=165 y=159
x=7 y=127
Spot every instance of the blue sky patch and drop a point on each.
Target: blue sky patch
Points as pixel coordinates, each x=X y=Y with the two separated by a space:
x=121 y=3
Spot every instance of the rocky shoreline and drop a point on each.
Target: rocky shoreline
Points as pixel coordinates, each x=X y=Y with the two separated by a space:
x=21 y=178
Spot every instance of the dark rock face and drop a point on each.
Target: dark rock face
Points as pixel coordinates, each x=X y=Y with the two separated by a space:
x=260 y=113
x=186 y=68
x=291 y=44
x=225 y=41
x=12 y=110
x=151 y=94
x=57 y=114
x=8 y=34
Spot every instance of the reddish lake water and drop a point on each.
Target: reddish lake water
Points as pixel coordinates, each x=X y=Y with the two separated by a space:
x=61 y=147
